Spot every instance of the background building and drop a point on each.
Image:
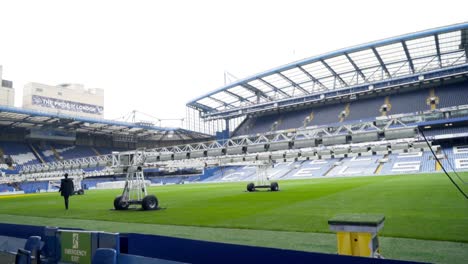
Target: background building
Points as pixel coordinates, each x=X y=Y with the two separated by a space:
x=7 y=93
x=72 y=99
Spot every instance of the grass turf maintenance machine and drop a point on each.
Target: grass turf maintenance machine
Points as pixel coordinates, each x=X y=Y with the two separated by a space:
x=134 y=192
x=262 y=181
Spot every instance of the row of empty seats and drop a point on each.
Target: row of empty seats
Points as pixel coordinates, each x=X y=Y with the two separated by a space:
x=22 y=154
x=364 y=109
x=416 y=161
x=453 y=159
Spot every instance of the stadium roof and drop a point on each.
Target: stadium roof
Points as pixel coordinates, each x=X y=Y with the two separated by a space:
x=383 y=60
x=30 y=119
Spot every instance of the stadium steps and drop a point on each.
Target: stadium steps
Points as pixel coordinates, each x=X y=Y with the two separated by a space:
x=2 y=154
x=331 y=168
x=284 y=173
x=276 y=124
x=389 y=106
x=36 y=153
x=40 y=150
x=438 y=166
x=311 y=117
x=241 y=127
x=56 y=154
x=432 y=95
x=346 y=110
x=381 y=164
x=95 y=151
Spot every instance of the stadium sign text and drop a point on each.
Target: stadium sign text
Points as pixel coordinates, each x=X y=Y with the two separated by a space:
x=66 y=105
x=76 y=247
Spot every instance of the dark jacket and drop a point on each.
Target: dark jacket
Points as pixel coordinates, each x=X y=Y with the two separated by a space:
x=66 y=187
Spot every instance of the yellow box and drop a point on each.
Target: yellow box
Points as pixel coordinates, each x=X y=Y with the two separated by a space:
x=356 y=235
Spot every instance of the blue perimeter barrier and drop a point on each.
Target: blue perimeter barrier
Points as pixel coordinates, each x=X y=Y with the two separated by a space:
x=197 y=251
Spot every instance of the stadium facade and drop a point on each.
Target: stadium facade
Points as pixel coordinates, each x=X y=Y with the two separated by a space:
x=355 y=111
x=71 y=99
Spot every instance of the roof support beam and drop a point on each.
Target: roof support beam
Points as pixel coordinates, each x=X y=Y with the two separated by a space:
x=358 y=70
x=438 y=49
x=274 y=88
x=293 y=83
x=221 y=102
x=242 y=99
x=202 y=107
x=408 y=56
x=382 y=64
x=333 y=72
x=315 y=80
x=256 y=91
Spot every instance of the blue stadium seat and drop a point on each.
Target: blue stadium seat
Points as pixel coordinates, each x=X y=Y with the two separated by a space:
x=23 y=256
x=449 y=95
x=365 y=109
x=109 y=240
x=33 y=245
x=50 y=250
x=105 y=256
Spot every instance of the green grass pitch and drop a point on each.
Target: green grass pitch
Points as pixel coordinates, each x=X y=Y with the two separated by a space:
x=423 y=207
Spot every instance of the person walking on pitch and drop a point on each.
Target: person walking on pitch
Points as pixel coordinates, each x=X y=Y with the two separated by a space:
x=66 y=189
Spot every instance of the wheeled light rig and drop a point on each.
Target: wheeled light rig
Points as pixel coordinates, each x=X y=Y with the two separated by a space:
x=262 y=181
x=134 y=192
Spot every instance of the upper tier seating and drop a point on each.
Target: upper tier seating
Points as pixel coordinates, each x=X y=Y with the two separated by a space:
x=45 y=151
x=452 y=95
x=104 y=150
x=74 y=152
x=20 y=154
x=411 y=102
x=327 y=114
x=365 y=109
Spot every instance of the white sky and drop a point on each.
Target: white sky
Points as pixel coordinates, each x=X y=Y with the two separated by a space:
x=155 y=56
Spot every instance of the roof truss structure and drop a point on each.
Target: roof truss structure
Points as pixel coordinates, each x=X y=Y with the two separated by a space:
x=13 y=117
x=407 y=55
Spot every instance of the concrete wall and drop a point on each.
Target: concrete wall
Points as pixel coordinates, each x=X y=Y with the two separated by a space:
x=7 y=94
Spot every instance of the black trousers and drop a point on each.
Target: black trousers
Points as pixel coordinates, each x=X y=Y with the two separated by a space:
x=65 y=197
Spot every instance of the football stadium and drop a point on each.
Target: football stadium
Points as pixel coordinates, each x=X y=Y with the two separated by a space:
x=358 y=155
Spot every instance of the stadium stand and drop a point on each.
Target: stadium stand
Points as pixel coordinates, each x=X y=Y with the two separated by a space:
x=34 y=186
x=449 y=95
x=366 y=109
x=73 y=152
x=410 y=102
x=446 y=131
x=6 y=188
x=309 y=118
x=19 y=152
x=90 y=183
x=356 y=166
